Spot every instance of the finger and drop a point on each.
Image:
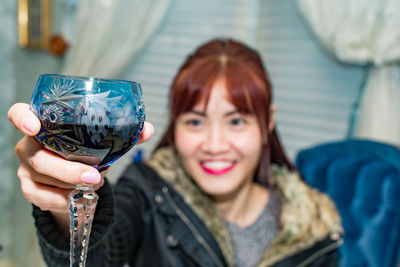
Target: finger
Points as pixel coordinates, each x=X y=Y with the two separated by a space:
x=25 y=171
x=50 y=181
x=26 y=146
x=146 y=133
x=44 y=196
x=47 y=163
x=24 y=119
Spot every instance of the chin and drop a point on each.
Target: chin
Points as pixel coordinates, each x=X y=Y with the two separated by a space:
x=218 y=190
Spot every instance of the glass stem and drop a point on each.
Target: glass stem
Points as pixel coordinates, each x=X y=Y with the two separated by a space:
x=82 y=205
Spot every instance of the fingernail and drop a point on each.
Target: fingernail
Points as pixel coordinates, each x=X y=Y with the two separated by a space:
x=91 y=177
x=29 y=124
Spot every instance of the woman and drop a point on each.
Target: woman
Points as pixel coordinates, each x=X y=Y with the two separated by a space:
x=218 y=190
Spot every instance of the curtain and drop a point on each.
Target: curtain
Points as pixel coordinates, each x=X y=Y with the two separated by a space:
x=364 y=33
x=110 y=33
x=380 y=106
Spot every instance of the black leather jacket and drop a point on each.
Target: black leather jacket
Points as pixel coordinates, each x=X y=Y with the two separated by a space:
x=144 y=222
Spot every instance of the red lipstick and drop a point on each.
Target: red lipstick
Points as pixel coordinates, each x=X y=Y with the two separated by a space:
x=217 y=171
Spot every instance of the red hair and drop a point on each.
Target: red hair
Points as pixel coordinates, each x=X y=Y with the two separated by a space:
x=249 y=89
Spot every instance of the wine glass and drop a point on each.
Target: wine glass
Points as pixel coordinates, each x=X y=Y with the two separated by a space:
x=90 y=120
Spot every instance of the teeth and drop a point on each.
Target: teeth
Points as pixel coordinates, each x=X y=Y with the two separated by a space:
x=217 y=165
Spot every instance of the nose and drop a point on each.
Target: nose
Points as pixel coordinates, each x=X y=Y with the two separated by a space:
x=216 y=140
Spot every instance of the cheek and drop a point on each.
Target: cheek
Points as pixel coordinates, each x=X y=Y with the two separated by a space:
x=249 y=144
x=184 y=142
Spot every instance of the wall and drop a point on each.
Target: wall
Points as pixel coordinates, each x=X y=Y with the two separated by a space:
x=7 y=84
x=19 y=71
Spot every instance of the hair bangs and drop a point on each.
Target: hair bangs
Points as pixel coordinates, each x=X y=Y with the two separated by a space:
x=248 y=92
x=194 y=85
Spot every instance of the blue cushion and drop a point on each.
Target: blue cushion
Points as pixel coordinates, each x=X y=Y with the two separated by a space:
x=363 y=178
x=368 y=185
x=351 y=254
x=386 y=218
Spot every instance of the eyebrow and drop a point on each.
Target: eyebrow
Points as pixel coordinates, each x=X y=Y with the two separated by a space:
x=200 y=113
x=203 y=114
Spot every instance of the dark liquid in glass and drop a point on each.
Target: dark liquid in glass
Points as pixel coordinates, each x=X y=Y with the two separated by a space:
x=89 y=144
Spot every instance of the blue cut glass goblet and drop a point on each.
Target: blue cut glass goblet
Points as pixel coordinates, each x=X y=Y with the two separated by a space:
x=89 y=120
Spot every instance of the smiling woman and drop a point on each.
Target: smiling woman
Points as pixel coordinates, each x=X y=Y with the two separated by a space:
x=222 y=137
x=217 y=191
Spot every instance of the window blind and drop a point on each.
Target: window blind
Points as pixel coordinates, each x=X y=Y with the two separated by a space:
x=313 y=93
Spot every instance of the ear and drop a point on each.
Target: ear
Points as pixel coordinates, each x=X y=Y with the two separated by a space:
x=271 y=124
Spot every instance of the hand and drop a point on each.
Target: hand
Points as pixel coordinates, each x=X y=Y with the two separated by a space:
x=47 y=178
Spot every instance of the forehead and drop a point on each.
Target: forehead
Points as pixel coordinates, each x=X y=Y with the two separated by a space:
x=218 y=99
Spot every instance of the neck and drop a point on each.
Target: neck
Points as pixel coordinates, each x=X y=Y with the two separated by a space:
x=245 y=206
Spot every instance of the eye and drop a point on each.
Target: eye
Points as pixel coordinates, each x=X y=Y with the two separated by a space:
x=237 y=121
x=193 y=122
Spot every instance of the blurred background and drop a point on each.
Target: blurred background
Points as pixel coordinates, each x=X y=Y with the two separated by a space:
x=333 y=66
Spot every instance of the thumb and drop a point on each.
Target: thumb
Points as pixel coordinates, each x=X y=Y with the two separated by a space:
x=24 y=119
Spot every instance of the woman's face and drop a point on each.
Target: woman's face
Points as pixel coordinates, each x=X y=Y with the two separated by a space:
x=219 y=146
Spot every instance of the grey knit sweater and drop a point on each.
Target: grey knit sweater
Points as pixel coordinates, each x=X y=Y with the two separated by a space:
x=251 y=242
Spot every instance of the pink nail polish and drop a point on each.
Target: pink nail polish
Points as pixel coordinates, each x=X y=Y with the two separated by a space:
x=91 y=177
x=29 y=124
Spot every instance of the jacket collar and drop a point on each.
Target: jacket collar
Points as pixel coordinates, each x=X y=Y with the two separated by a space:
x=165 y=163
x=307 y=216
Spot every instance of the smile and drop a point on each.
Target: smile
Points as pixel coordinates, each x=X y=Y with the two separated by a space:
x=217 y=167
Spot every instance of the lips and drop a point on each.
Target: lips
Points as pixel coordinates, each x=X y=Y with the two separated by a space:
x=217 y=167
